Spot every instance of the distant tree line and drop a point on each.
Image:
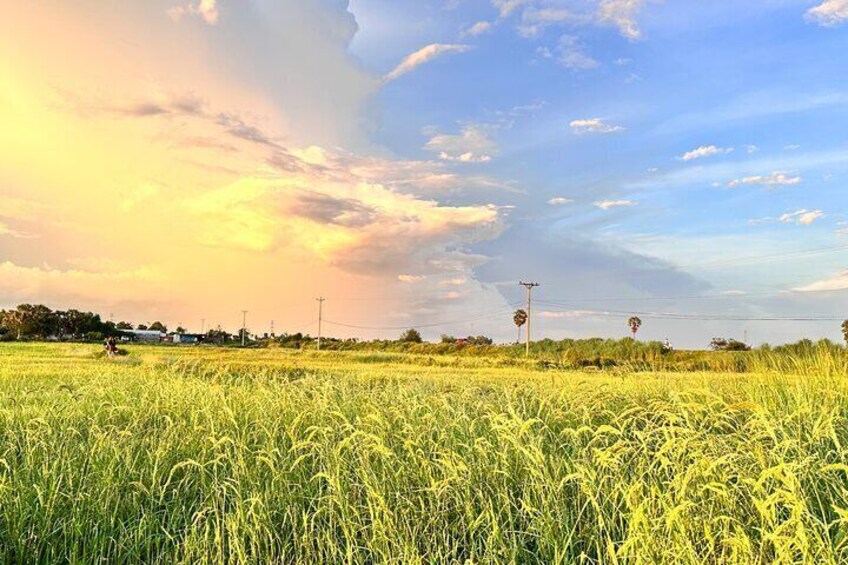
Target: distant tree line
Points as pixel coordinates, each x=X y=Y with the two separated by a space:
x=37 y=321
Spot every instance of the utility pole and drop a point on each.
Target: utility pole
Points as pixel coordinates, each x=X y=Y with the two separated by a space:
x=272 y=328
x=320 y=318
x=203 y=325
x=243 y=326
x=529 y=286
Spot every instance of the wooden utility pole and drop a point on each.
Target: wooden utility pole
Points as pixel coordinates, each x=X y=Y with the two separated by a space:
x=320 y=318
x=529 y=286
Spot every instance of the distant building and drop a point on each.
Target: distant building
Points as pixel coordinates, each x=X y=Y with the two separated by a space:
x=188 y=339
x=142 y=336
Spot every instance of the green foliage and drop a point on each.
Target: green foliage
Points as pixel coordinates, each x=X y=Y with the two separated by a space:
x=411 y=336
x=634 y=323
x=519 y=317
x=158 y=327
x=845 y=330
x=478 y=340
x=31 y=321
x=722 y=344
x=269 y=456
x=36 y=321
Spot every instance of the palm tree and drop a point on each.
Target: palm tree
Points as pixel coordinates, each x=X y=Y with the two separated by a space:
x=520 y=318
x=635 y=323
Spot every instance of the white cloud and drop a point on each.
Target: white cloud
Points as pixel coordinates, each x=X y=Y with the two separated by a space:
x=455 y=281
x=705 y=151
x=507 y=7
x=7 y=231
x=836 y=282
x=734 y=292
x=622 y=14
x=593 y=125
x=473 y=144
x=571 y=53
x=829 y=13
x=609 y=204
x=206 y=9
x=560 y=201
x=751 y=149
x=422 y=56
x=33 y=283
x=803 y=217
x=477 y=29
x=536 y=15
x=792 y=147
x=467 y=157
x=535 y=20
x=410 y=278
x=777 y=178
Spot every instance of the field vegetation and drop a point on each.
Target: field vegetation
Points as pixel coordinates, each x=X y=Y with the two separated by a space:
x=214 y=455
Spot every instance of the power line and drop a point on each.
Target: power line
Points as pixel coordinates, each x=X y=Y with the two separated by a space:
x=705 y=317
x=784 y=293
x=492 y=314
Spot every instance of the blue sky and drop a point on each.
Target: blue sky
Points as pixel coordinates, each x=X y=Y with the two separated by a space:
x=672 y=158
x=759 y=86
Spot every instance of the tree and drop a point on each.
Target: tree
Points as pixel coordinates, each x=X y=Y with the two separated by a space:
x=478 y=340
x=124 y=326
x=29 y=320
x=722 y=344
x=845 y=330
x=520 y=318
x=78 y=324
x=141 y=327
x=448 y=339
x=411 y=336
x=158 y=327
x=635 y=323
x=180 y=330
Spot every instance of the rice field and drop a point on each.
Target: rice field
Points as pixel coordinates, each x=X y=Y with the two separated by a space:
x=172 y=455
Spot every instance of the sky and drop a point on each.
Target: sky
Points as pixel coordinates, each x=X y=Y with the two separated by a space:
x=412 y=161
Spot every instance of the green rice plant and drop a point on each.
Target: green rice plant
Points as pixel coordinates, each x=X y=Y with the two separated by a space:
x=202 y=455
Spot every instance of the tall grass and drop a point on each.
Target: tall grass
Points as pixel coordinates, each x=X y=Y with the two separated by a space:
x=274 y=457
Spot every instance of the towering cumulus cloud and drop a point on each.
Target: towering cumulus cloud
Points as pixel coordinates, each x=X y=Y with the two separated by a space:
x=212 y=162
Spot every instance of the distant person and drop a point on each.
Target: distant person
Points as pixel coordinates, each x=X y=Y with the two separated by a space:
x=111 y=347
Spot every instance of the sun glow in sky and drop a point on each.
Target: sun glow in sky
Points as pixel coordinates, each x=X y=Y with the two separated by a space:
x=411 y=161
